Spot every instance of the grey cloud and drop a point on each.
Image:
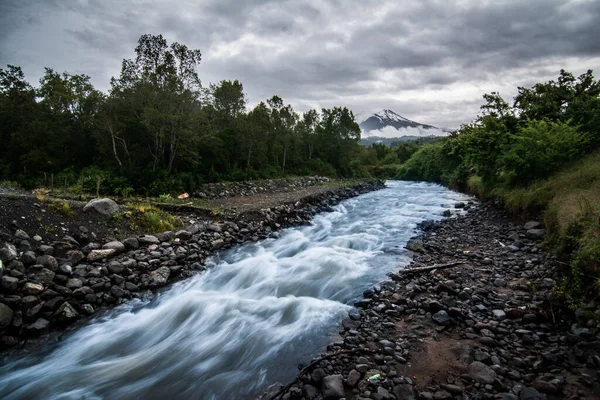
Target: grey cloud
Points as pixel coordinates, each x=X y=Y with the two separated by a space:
x=428 y=60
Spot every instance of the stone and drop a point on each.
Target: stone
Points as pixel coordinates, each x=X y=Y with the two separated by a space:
x=32 y=289
x=310 y=392
x=498 y=282
x=415 y=245
x=28 y=258
x=117 y=246
x=217 y=244
x=65 y=269
x=441 y=318
x=481 y=373
x=532 y=225
x=117 y=292
x=460 y=204
x=66 y=313
x=74 y=284
x=131 y=243
x=332 y=387
x=9 y=284
x=8 y=252
x=353 y=378
x=530 y=393
x=21 y=235
x=499 y=315
x=183 y=235
x=6 y=314
x=317 y=375
x=147 y=240
x=74 y=256
x=104 y=207
x=160 y=276
x=115 y=267
x=536 y=234
x=38 y=327
x=95 y=255
x=44 y=277
x=48 y=262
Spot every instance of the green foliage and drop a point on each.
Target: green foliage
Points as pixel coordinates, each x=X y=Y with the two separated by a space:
x=158 y=131
x=147 y=218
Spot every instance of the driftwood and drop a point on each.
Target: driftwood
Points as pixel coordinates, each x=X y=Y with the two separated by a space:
x=310 y=366
x=430 y=268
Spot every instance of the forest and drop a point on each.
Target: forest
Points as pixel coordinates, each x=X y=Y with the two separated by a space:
x=159 y=130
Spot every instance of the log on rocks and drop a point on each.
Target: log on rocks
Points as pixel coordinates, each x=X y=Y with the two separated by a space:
x=430 y=268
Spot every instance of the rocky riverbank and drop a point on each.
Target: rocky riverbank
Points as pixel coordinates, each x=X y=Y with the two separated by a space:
x=48 y=285
x=475 y=316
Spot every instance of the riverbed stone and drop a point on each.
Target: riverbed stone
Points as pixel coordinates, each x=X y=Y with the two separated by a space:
x=8 y=252
x=32 y=289
x=481 y=372
x=332 y=387
x=160 y=277
x=441 y=318
x=96 y=255
x=6 y=315
x=115 y=245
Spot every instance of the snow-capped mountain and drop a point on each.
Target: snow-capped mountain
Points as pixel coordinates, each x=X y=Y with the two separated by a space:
x=388 y=124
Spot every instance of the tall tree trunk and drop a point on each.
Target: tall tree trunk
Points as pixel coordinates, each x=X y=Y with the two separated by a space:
x=283 y=163
x=249 y=156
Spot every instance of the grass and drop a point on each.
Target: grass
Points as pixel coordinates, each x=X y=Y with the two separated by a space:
x=570 y=204
x=148 y=218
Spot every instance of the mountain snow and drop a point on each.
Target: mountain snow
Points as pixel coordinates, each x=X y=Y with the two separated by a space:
x=388 y=124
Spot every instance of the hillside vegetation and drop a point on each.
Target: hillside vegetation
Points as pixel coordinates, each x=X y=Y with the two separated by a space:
x=539 y=156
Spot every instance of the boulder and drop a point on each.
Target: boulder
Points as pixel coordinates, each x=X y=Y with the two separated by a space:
x=32 y=289
x=45 y=276
x=416 y=246
x=74 y=256
x=38 y=327
x=8 y=252
x=332 y=387
x=9 y=284
x=131 y=243
x=117 y=246
x=532 y=225
x=183 y=235
x=48 y=262
x=481 y=373
x=95 y=255
x=160 y=276
x=21 y=235
x=441 y=318
x=66 y=313
x=147 y=239
x=6 y=314
x=104 y=207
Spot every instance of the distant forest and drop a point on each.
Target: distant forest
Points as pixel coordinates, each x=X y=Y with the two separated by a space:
x=158 y=130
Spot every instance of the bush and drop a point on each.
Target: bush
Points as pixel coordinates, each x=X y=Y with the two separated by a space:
x=539 y=149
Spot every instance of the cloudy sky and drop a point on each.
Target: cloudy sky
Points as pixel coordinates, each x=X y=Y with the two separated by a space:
x=428 y=60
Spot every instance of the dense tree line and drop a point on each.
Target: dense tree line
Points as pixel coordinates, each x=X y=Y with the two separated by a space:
x=507 y=146
x=159 y=130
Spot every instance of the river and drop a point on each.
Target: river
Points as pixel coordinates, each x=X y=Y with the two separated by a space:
x=262 y=309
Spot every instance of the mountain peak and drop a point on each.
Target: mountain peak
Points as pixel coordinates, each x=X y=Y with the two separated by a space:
x=387 y=123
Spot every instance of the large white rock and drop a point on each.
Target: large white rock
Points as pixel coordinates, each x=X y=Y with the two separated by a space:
x=105 y=207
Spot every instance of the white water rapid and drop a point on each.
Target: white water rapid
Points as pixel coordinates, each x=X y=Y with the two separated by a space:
x=247 y=322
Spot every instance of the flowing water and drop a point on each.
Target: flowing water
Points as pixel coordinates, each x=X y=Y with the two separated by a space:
x=247 y=322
